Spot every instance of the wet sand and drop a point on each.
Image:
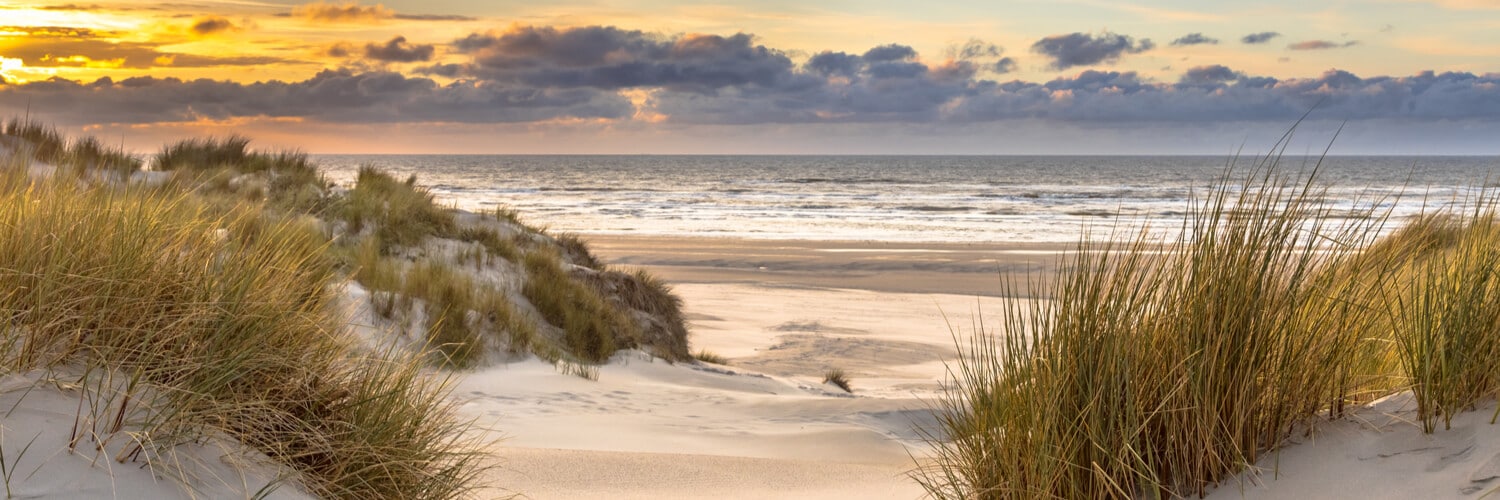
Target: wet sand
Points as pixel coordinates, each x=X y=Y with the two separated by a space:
x=948 y=268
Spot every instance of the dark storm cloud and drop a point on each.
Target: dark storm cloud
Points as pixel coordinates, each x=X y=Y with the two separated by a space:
x=606 y=57
x=1259 y=38
x=530 y=74
x=1321 y=45
x=398 y=50
x=1083 y=49
x=1195 y=39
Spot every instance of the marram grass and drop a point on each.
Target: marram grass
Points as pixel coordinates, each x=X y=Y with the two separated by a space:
x=1161 y=367
x=221 y=320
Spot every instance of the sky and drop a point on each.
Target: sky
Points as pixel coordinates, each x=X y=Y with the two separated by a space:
x=763 y=77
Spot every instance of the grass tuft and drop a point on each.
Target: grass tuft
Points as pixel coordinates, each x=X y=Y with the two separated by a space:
x=838 y=378
x=1163 y=367
x=706 y=356
x=401 y=213
x=590 y=324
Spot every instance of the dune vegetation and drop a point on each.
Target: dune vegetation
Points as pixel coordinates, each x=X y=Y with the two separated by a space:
x=207 y=296
x=1162 y=367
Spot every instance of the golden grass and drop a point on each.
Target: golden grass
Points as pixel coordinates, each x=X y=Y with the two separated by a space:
x=707 y=356
x=402 y=213
x=664 y=331
x=1160 y=367
x=838 y=378
x=1443 y=306
x=590 y=324
x=221 y=320
x=44 y=143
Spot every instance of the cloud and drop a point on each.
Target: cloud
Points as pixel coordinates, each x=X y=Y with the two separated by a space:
x=56 y=32
x=398 y=50
x=1004 y=65
x=342 y=13
x=79 y=51
x=335 y=96
x=210 y=25
x=341 y=49
x=606 y=57
x=1195 y=39
x=834 y=63
x=1082 y=49
x=975 y=54
x=1259 y=38
x=353 y=12
x=1213 y=74
x=603 y=74
x=1321 y=45
x=892 y=52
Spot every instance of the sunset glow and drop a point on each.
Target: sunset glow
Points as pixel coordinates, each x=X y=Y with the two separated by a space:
x=595 y=76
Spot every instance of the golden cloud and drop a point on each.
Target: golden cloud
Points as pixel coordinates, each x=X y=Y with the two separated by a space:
x=343 y=13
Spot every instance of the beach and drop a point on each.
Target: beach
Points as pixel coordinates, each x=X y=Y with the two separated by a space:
x=764 y=425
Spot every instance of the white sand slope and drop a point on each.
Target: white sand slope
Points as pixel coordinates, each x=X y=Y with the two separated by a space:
x=1381 y=452
x=39 y=414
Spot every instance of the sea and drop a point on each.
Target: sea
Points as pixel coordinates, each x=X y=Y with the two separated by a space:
x=955 y=199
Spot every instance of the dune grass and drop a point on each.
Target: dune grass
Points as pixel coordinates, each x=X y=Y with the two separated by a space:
x=221 y=321
x=1162 y=367
x=287 y=180
x=706 y=356
x=590 y=324
x=838 y=378
x=493 y=243
x=402 y=213
x=664 y=332
x=44 y=143
x=1443 y=305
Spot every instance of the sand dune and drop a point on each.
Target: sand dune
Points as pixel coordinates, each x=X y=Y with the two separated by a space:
x=1381 y=452
x=765 y=426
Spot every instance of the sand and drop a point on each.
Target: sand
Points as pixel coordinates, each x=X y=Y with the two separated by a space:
x=43 y=460
x=943 y=268
x=1381 y=452
x=764 y=426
